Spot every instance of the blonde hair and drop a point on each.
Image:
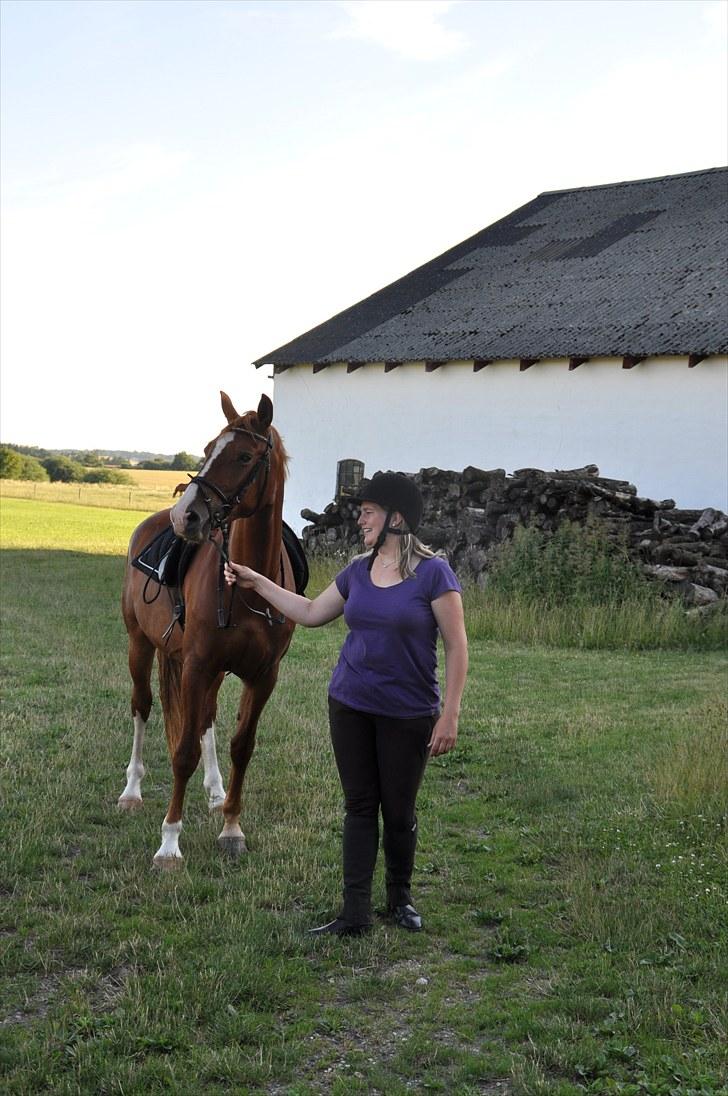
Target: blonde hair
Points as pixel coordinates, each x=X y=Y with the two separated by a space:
x=410 y=548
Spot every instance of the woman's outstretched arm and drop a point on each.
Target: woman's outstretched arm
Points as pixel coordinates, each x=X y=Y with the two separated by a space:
x=301 y=610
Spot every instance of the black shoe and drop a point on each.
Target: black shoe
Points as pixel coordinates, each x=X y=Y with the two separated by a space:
x=406 y=917
x=339 y=927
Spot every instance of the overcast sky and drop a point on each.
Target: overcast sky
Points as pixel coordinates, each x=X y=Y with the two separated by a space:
x=187 y=185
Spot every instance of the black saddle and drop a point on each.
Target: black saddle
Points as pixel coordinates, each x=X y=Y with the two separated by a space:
x=166 y=558
x=297 y=556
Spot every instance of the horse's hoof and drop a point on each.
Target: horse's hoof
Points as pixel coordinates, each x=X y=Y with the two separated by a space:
x=167 y=863
x=215 y=806
x=126 y=803
x=232 y=847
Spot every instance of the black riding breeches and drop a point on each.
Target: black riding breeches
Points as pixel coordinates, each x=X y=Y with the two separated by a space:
x=381 y=762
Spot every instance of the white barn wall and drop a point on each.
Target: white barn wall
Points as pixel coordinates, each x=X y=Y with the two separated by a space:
x=660 y=425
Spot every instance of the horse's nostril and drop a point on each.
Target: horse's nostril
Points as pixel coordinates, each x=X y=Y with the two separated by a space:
x=192 y=518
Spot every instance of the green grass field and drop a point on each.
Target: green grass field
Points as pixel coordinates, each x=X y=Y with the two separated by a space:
x=572 y=872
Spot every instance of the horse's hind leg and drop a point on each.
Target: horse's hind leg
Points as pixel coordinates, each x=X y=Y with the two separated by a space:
x=141 y=657
x=185 y=696
x=253 y=700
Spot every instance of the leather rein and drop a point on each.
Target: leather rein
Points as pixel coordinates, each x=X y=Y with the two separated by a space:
x=220 y=519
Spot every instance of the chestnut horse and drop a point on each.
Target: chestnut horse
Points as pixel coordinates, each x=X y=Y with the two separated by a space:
x=239 y=491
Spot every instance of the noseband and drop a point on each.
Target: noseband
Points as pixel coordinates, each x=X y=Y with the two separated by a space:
x=219 y=516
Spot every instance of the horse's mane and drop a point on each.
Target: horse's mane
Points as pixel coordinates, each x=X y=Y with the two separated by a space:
x=280 y=448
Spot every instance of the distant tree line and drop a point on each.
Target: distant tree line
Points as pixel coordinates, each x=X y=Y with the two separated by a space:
x=180 y=462
x=57 y=468
x=81 y=466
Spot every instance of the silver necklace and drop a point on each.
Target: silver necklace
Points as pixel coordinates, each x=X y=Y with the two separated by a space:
x=388 y=563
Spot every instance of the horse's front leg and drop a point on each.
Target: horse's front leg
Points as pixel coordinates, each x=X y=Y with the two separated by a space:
x=195 y=684
x=253 y=700
x=212 y=781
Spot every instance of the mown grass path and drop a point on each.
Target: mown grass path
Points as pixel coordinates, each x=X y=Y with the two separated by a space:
x=571 y=874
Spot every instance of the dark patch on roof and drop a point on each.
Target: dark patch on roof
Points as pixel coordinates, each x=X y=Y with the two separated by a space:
x=633 y=268
x=600 y=241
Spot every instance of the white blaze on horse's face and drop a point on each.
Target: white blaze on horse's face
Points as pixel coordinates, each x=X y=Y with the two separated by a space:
x=190 y=517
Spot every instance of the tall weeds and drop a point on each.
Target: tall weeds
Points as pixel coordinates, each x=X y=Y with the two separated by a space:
x=577 y=564
x=578 y=588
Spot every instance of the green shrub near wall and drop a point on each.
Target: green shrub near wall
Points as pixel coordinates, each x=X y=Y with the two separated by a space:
x=578 y=563
x=578 y=587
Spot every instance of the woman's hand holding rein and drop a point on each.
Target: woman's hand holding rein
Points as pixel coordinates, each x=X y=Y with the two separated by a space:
x=301 y=610
x=238 y=575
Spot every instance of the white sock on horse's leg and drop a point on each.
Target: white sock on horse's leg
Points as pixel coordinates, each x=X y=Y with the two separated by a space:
x=131 y=797
x=212 y=782
x=169 y=850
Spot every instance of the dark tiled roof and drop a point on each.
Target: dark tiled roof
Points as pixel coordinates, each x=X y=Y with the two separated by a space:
x=634 y=268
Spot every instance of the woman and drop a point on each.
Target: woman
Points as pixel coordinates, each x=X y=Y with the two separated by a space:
x=384 y=701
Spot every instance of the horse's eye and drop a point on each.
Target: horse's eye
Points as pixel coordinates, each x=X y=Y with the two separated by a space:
x=245 y=458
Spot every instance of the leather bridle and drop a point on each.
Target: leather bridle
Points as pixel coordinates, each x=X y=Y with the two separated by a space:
x=219 y=516
x=220 y=519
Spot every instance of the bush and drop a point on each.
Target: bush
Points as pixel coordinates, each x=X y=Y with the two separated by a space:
x=63 y=469
x=184 y=462
x=20 y=466
x=575 y=564
x=154 y=465
x=107 y=475
x=89 y=458
x=577 y=588
x=32 y=469
x=10 y=463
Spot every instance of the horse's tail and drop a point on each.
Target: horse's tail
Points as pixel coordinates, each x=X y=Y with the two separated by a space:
x=170 y=693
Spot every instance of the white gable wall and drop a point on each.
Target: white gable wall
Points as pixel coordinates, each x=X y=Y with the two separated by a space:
x=660 y=425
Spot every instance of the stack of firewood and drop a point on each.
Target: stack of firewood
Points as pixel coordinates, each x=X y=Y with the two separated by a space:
x=468 y=513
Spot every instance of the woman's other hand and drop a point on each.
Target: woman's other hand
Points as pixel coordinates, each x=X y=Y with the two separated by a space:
x=444 y=735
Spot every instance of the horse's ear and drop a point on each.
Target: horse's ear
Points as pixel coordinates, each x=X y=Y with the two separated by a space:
x=264 y=412
x=227 y=407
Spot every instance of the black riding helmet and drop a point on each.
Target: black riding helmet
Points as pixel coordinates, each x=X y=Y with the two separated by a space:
x=392 y=491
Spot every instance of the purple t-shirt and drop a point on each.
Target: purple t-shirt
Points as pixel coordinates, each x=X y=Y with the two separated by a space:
x=388 y=664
